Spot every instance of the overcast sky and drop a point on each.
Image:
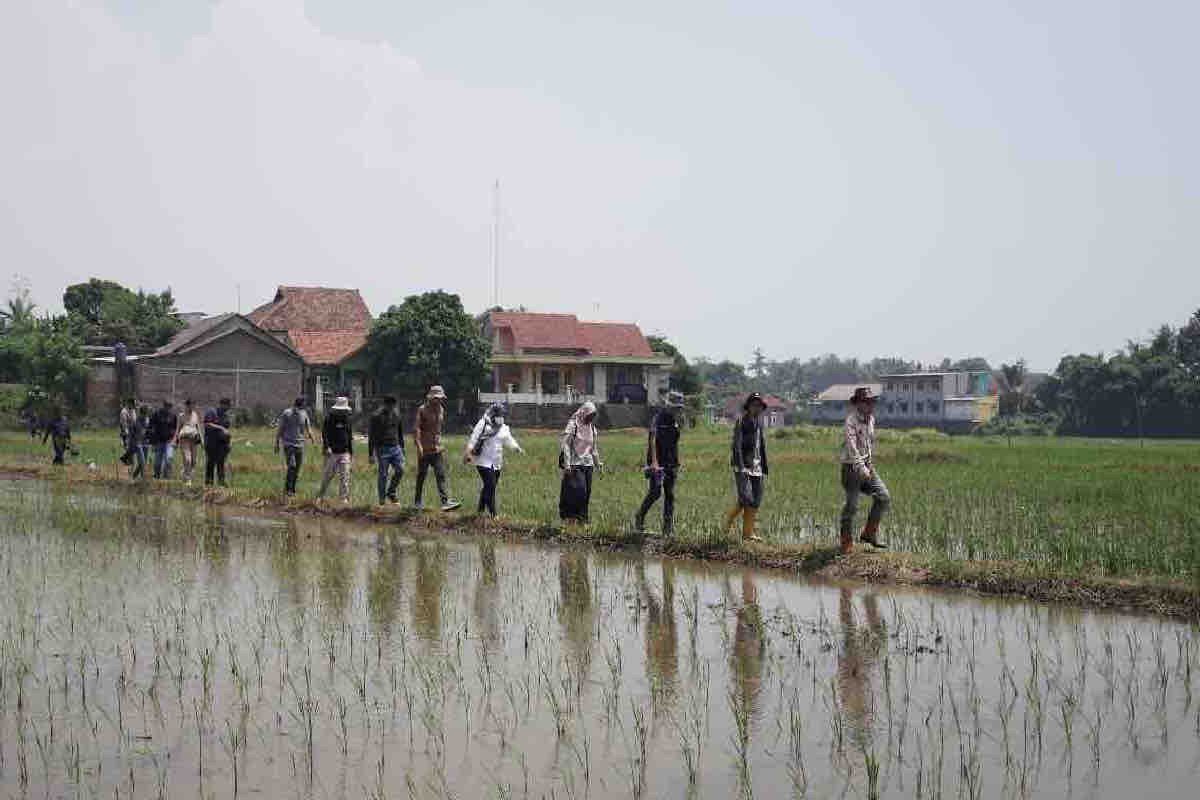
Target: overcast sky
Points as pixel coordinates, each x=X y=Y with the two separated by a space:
x=913 y=179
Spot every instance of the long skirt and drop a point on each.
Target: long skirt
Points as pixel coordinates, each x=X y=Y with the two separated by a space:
x=575 y=494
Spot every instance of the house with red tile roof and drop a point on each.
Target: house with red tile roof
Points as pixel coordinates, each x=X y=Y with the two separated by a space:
x=557 y=359
x=328 y=328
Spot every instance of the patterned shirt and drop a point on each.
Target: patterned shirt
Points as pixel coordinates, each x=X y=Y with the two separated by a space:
x=859 y=448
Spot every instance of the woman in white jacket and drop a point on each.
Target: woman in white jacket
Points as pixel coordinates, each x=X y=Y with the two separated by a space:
x=485 y=449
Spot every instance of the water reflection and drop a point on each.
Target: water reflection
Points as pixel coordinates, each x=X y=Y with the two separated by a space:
x=385 y=582
x=486 y=604
x=428 y=589
x=662 y=642
x=575 y=608
x=858 y=660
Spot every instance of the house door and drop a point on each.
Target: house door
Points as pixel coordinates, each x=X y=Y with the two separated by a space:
x=550 y=382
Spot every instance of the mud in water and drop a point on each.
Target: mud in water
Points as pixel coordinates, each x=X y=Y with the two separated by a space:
x=156 y=648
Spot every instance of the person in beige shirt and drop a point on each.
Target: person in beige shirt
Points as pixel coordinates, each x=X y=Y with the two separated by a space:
x=427 y=436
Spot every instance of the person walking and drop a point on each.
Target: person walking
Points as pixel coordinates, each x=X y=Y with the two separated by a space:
x=58 y=431
x=139 y=444
x=485 y=449
x=337 y=437
x=859 y=476
x=188 y=429
x=662 y=463
x=218 y=440
x=163 y=427
x=125 y=422
x=578 y=457
x=291 y=429
x=427 y=434
x=385 y=445
x=749 y=462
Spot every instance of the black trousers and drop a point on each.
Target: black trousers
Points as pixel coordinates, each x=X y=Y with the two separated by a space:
x=214 y=462
x=487 y=492
x=294 y=458
x=575 y=495
x=438 y=463
x=662 y=484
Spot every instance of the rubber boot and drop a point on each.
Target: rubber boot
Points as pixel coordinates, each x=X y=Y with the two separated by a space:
x=870 y=535
x=847 y=545
x=731 y=517
x=749 y=517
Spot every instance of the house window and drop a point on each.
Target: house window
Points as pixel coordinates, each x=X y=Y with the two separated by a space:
x=920 y=407
x=589 y=379
x=891 y=408
x=933 y=407
x=903 y=406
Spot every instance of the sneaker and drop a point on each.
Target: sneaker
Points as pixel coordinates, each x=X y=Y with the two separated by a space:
x=451 y=505
x=393 y=500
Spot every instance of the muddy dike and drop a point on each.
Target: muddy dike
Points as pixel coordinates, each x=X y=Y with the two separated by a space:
x=1148 y=594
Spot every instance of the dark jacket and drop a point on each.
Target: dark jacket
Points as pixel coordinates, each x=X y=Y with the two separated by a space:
x=386 y=430
x=59 y=428
x=747 y=436
x=664 y=438
x=162 y=426
x=215 y=439
x=337 y=434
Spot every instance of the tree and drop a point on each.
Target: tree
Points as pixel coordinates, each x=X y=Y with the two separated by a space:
x=1012 y=396
x=427 y=339
x=684 y=377
x=104 y=313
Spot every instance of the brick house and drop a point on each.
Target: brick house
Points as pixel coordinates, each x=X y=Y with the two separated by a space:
x=557 y=361
x=222 y=356
x=328 y=328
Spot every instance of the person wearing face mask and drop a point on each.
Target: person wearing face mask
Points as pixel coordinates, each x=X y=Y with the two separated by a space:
x=578 y=457
x=485 y=449
x=662 y=463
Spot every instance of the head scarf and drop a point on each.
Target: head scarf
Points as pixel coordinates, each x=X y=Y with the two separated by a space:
x=490 y=426
x=584 y=410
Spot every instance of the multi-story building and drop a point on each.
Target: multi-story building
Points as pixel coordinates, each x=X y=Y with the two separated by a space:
x=947 y=400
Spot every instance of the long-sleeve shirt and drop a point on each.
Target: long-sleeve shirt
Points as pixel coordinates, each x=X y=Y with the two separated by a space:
x=578 y=445
x=749 y=447
x=491 y=454
x=385 y=430
x=336 y=433
x=858 y=449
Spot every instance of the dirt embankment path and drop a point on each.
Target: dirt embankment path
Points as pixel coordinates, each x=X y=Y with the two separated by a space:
x=1177 y=599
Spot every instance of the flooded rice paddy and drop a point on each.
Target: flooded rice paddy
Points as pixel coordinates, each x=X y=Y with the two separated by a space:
x=155 y=648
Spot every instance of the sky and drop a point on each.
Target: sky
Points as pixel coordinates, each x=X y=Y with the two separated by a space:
x=915 y=179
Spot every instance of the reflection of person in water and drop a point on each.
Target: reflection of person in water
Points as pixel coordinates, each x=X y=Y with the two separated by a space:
x=662 y=662
x=857 y=659
x=487 y=597
x=384 y=581
x=427 y=591
x=748 y=646
x=575 y=608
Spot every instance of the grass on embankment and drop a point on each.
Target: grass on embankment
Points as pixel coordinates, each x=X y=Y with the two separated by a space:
x=1093 y=521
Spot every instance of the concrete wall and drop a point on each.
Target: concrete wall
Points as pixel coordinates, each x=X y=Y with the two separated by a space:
x=101 y=393
x=229 y=367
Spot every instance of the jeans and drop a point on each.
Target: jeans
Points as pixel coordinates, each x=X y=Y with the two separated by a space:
x=164 y=452
x=339 y=464
x=214 y=461
x=438 y=463
x=487 y=492
x=389 y=459
x=662 y=484
x=749 y=489
x=293 y=457
x=856 y=485
x=140 y=454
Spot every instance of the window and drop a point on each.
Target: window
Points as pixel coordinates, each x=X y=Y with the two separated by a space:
x=904 y=387
x=550 y=381
x=903 y=406
x=891 y=387
x=933 y=406
x=920 y=407
x=891 y=408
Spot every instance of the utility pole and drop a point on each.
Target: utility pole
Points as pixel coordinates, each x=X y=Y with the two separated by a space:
x=496 y=244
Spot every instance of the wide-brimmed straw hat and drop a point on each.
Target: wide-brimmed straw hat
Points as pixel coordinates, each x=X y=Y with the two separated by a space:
x=341 y=404
x=436 y=393
x=675 y=399
x=863 y=393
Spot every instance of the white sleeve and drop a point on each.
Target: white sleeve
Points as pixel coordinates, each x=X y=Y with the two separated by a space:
x=476 y=432
x=509 y=440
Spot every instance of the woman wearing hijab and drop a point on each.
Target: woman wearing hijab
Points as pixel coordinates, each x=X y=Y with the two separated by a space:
x=485 y=449
x=578 y=456
x=749 y=462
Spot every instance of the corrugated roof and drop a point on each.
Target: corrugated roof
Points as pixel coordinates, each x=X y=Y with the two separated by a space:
x=325 y=348
x=844 y=391
x=313 y=308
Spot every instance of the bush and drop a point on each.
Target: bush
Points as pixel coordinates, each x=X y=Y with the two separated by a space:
x=1020 y=425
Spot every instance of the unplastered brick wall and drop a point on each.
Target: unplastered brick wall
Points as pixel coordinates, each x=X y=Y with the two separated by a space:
x=249 y=390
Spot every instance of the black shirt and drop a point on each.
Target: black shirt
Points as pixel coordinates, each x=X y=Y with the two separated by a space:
x=664 y=437
x=162 y=426
x=337 y=433
x=386 y=430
